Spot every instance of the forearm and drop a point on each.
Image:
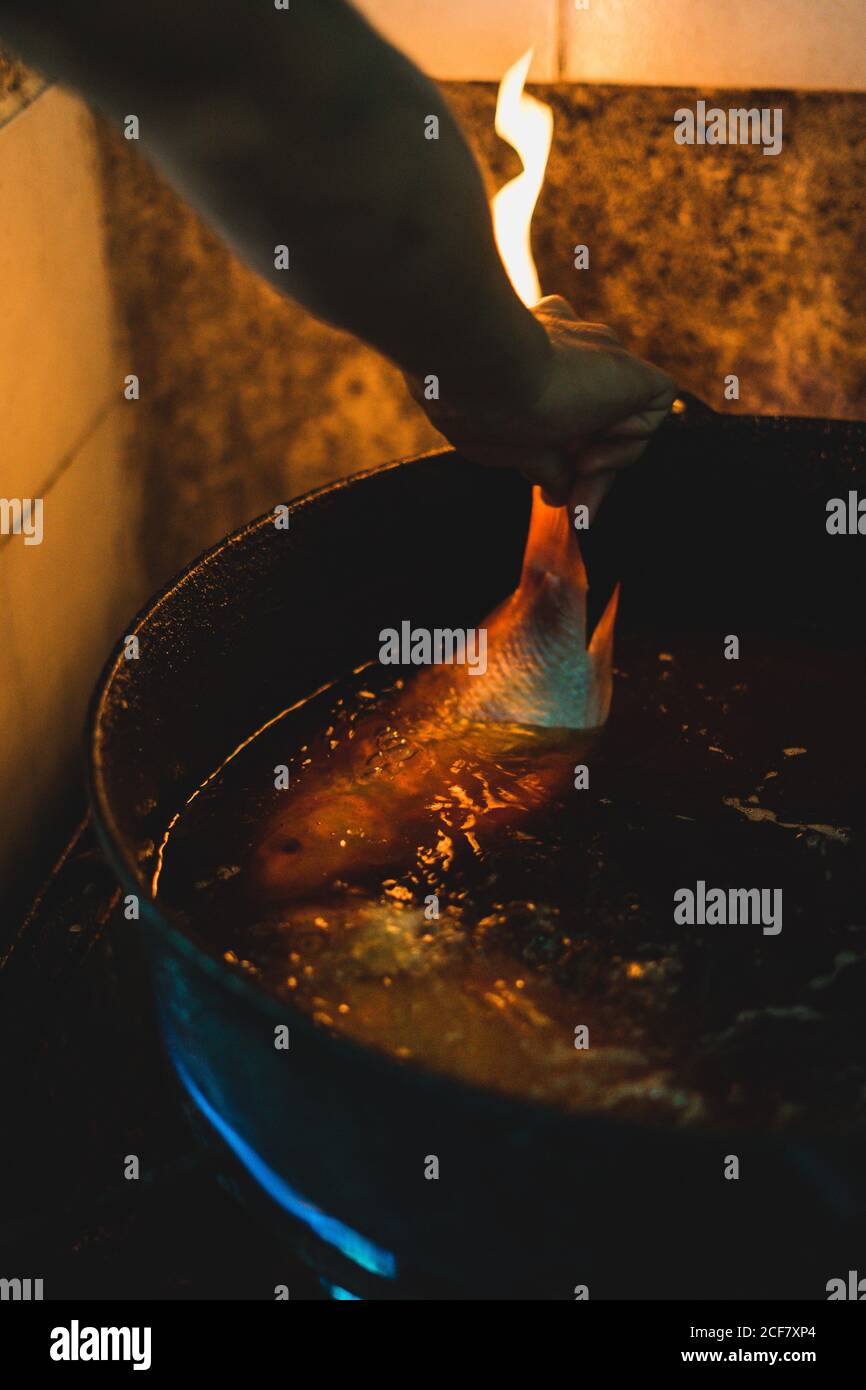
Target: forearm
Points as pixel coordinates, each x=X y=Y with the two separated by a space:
x=304 y=128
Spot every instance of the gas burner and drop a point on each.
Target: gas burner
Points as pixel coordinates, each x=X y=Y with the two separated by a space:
x=91 y=1089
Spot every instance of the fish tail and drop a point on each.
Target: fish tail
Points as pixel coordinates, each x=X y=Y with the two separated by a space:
x=554 y=587
x=552 y=548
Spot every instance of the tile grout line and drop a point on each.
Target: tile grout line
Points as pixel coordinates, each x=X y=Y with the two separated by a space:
x=25 y=106
x=66 y=460
x=560 y=31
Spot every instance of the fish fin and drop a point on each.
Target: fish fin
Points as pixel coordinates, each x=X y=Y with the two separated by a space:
x=600 y=652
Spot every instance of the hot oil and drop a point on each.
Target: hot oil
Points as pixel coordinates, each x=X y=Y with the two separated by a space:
x=455 y=895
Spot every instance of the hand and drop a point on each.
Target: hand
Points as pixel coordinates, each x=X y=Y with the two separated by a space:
x=597 y=408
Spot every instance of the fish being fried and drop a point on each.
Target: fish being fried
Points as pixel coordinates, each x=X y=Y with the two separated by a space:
x=525 y=720
x=540 y=670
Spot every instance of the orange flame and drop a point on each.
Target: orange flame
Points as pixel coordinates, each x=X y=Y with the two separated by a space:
x=526 y=124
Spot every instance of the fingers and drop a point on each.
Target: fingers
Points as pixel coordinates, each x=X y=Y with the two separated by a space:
x=609 y=456
x=596 y=469
x=551 y=469
x=589 y=490
x=553 y=474
x=591 y=467
x=553 y=308
x=554 y=304
x=645 y=394
x=584 y=476
x=639 y=426
x=661 y=395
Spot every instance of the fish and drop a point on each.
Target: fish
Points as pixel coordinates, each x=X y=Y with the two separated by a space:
x=460 y=755
x=541 y=672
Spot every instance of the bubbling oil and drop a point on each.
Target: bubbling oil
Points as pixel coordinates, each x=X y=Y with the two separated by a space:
x=496 y=903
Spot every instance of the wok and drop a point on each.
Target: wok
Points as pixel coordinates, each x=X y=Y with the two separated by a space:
x=721 y=529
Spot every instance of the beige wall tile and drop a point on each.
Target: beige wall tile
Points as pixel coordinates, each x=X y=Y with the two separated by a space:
x=64 y=603
x=55 y=326
x=473 y=40
x=805 y=44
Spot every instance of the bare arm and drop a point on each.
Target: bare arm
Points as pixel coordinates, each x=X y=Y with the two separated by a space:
x=304 y=127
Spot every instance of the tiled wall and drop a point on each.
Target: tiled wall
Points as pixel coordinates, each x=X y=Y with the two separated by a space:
x=61 y=439
x=809 y=45
x=244 y=401
x=464 y=40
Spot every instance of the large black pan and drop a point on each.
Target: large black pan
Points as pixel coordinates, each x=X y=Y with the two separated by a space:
x=721 y=529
